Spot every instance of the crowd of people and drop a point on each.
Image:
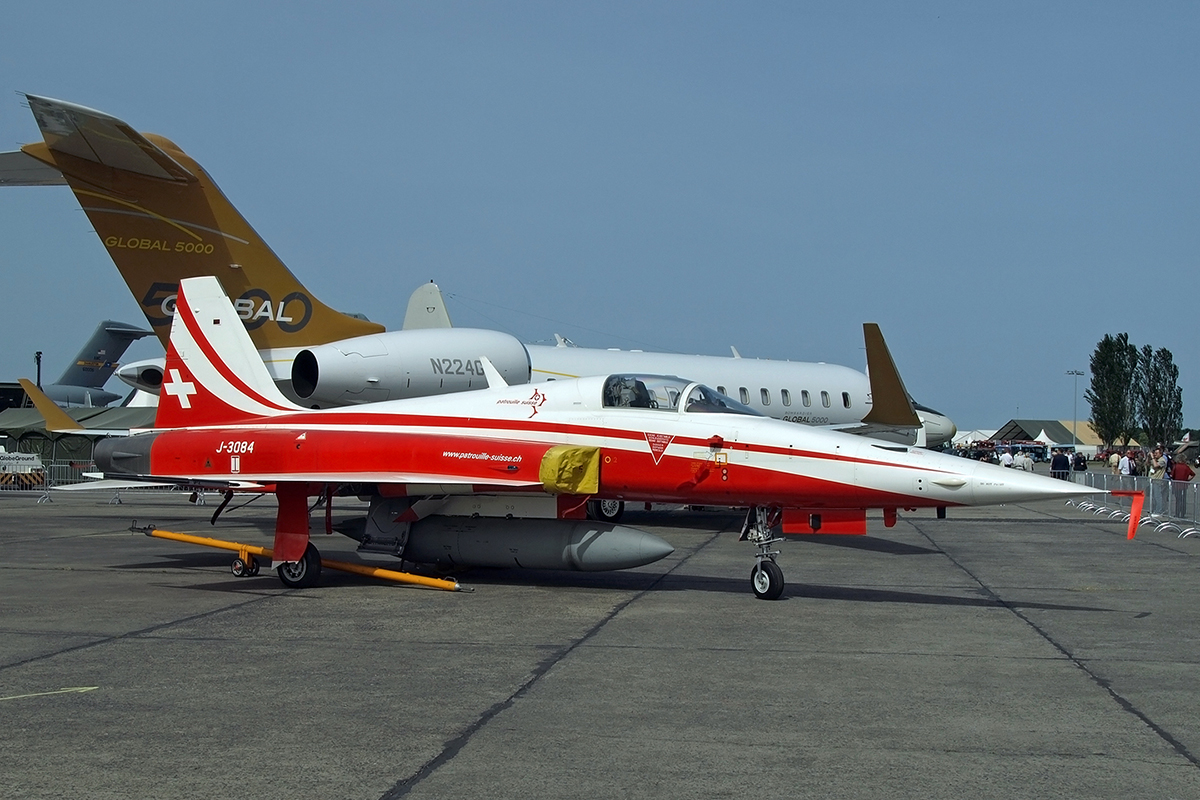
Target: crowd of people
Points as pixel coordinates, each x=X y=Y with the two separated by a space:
x=1169 y=475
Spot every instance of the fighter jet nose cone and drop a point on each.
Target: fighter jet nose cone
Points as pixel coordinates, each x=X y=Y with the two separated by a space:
x=995 y=484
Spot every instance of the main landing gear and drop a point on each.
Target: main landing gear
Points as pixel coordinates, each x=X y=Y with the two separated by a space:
x=303 y=573
x=606 y=510
x=759 y=529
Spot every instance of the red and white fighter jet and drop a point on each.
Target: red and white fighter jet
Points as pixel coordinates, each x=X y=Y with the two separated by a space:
x=500 y=476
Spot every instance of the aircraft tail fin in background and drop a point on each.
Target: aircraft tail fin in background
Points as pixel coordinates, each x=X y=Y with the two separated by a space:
x=426 y=309
x=99 y=356
x=57 y=420
x=890 y=403
x=213 y=374
x=162 y=219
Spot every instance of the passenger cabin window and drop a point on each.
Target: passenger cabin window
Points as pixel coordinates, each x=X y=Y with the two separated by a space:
x=785 y=396
x=721 y=389
x=846 y=399
x=825 y=399
x=805 y=398
x=744 y=395
x=765 y=394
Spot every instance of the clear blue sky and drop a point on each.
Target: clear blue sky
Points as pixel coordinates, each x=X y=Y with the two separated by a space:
x=998 y=185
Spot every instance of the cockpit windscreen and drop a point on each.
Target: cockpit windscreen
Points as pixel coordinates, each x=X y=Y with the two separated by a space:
x=663 y=392
x=702 y=399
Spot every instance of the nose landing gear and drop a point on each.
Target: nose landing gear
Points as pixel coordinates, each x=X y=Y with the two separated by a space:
x=759 y=529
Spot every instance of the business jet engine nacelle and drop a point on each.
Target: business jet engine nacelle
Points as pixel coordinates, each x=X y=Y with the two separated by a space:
x=406 y=363
x=146 y=376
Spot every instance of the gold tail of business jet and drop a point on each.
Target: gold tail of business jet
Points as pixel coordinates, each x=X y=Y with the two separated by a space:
x=162 y=219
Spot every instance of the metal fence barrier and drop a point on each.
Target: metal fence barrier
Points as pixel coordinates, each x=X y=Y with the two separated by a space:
x=62 y=473
x=1170 y=506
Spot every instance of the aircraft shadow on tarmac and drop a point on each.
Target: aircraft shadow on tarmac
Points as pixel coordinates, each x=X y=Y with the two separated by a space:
x=189 y=560
x=481 y=578
x=869 y=543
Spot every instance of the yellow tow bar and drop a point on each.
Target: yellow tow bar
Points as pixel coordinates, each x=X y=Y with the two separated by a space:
x=246 y=551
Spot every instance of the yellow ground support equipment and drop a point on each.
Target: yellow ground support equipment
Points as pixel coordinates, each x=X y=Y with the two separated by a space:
x=247 y=565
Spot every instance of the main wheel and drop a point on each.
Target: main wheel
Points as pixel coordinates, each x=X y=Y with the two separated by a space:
x=767 y=580
x=606 y=510
x=303 y=573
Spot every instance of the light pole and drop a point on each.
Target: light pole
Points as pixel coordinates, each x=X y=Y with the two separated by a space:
x=1075 y=408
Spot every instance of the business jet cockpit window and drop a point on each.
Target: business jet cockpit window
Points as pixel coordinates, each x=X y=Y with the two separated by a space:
x=704 y=400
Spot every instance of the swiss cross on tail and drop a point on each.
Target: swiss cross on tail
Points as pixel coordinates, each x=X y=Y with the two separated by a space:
x=658 y=444
x=179 y=388
x=213 y=374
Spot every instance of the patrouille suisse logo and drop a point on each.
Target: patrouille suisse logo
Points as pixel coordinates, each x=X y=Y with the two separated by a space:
x=658 y=444
x=534 y=401
x=255 y=307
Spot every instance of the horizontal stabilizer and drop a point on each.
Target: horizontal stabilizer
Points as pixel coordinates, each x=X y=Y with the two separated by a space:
x=22 y=169
x=95 y=136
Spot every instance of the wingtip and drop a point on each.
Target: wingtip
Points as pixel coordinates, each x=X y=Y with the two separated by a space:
x=57 y=420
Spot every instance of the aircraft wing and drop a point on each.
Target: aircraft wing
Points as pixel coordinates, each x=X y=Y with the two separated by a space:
x=21 y=169
x=117 y=485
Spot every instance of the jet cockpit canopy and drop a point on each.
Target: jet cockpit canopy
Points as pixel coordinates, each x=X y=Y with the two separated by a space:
x=663 y=392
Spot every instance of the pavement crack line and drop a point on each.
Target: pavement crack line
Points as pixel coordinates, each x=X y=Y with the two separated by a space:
x=1123 y=702
x=134 y=634
x=452 y=747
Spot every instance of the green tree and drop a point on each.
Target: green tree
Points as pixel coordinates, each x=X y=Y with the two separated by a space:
x=1159 y=398
x=1113 y=367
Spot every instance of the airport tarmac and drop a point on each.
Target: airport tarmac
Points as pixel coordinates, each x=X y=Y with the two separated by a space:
x=1011 y=652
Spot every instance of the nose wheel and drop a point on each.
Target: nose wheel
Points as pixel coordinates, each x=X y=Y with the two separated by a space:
x=766 y=579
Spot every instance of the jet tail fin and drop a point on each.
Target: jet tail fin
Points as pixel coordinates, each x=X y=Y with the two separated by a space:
x=890 y=403
x=213 y=373
x=426 y=309
x=98 y=358
x=162 y=219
